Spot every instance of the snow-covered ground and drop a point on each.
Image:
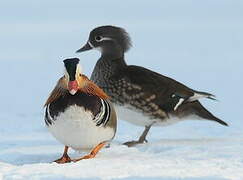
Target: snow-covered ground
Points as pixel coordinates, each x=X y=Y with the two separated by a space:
x=199 y=43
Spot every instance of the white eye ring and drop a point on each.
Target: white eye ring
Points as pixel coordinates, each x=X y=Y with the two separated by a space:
x=98 y=38
x=101 y=38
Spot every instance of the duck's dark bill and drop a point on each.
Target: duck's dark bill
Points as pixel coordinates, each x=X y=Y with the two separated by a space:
x=86 y=47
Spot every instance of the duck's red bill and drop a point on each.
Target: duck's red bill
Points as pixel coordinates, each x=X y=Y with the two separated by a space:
x=73 y=87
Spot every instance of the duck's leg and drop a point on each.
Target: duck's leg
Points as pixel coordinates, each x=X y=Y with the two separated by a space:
x=65 y=158
x=142 y=138
x=92 y=154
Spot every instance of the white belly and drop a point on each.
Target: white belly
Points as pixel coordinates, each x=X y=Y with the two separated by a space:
x=138 y=118
x=75 y=128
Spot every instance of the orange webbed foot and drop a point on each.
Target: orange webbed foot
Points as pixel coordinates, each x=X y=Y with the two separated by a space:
x=92 y=153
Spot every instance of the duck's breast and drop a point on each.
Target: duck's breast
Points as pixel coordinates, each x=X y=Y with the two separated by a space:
x=74 y=124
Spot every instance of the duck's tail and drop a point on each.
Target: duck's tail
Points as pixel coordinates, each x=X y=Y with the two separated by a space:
x=197 y=108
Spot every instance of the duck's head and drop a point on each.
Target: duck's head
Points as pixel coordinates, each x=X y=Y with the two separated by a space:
x=107 y=39
x=72 y=75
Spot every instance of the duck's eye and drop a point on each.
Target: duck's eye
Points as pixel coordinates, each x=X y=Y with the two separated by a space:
x=98 y=38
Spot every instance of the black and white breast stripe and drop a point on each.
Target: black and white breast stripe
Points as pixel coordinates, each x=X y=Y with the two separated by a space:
x=48 y=118
x=103 y=116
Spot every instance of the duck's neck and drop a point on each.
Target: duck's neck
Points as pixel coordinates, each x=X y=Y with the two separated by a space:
x=110 y=65
x=112 y=51
x=106 y=67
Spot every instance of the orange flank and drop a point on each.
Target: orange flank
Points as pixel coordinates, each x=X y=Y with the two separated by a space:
x=84 y=85
x=91 y=88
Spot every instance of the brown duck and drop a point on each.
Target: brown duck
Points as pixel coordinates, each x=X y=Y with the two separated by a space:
x=141 y=96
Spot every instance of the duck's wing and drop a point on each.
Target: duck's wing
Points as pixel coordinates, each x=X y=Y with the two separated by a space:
x=58 y=91
x=146 y=86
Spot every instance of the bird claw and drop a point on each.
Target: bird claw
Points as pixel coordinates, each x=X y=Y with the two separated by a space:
x=134 y=143
x=108 y=145
x=63 y=159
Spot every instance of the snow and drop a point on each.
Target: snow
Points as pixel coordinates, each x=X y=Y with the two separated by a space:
x=29 y=157
x=199 y=43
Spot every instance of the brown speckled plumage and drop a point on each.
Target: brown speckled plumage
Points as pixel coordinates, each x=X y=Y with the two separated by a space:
x=147 y=92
